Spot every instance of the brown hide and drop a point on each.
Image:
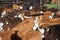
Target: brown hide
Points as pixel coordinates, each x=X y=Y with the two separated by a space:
x=24 y=31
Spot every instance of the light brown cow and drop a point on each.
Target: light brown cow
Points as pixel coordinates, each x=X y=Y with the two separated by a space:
x=24 y=31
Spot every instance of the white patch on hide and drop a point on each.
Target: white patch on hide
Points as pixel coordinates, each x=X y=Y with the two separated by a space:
x=42 y=31
x=51 y=16
x=15 y=16
x=41 y=11
x=7 y=22
x=30 y=7
x=21 y=16
x=42 y=36
x=36 y=24
x=21 y=7
x=3 y=13
x=1 y=26
x=27 y=17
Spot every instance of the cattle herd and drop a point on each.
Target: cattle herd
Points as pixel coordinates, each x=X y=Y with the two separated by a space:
x=31 y=23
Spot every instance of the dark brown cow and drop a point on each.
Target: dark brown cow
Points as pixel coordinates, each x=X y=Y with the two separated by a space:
x=53 y=33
